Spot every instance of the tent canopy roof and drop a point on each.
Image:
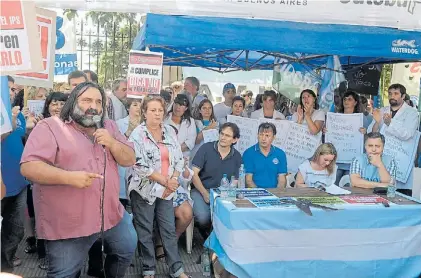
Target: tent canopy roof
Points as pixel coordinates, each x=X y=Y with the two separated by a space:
x=246 y=44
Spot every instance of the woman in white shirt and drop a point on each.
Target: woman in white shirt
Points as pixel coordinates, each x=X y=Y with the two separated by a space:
x=268 y=111
x=319 y=169
x=126 y=126
x=308 y=113
x=180 y=118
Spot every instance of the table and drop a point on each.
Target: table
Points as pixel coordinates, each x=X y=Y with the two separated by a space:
x=354 y=241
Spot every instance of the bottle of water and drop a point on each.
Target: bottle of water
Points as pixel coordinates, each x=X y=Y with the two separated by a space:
x=206 y=266
x=242 y=178
x=232 y=191
x=224 y=187
x=391 y=188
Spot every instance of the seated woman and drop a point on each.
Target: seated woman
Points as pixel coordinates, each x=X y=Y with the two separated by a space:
x=237 y=107
x=319 y=169
x=308 y=113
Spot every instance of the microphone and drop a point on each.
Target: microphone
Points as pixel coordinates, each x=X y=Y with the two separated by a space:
x=97 y=121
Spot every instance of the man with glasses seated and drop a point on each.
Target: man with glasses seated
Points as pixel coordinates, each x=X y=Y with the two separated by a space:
x=211 y=162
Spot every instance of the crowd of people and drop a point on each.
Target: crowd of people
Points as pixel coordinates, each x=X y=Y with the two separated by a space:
x=78 y=166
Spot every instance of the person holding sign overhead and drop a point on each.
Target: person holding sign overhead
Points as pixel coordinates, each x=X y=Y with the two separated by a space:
x=265 y=164
x=398 y=120
x=308 y=113
x=372 y=168
x=268 y=111
x=320 y=169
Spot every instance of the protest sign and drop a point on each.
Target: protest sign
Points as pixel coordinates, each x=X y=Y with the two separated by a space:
x=66 y=57
x=282 y=127
x=343 y=132
x=365 y=200
x=273 y=202
x=144 y=75
x=248 y=132
x=36 y=106
x=299 y=145
x=323 y=200
x=403 y=151
x=5 y=107
x=210 y=135
x=46 y=21
x=18 y=32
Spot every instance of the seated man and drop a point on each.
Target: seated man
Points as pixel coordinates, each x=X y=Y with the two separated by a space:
x=238 y=104
x=212 y=161
x=265 y=164
x=372 y=168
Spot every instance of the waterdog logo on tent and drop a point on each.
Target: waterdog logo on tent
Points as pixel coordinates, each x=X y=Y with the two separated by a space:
x=409 y=4
x=405 y=46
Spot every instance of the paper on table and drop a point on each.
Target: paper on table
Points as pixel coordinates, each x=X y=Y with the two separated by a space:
x=336 y=190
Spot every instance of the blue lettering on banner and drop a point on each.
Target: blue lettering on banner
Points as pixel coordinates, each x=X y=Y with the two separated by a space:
x=65 y=64
x=61 y=39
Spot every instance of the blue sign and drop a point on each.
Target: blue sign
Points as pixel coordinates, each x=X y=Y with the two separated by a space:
x=65 y=64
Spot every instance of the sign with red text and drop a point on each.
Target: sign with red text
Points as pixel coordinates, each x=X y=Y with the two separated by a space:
x=18 y=53
x=46 y=21
x=144 y=75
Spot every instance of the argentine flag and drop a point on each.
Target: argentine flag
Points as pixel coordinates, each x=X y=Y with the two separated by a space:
x=6 y=110
x=331 y=81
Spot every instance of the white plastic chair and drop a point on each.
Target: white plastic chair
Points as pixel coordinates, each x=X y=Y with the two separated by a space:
x=344 y=180
x=416 y=184
x=189 y=231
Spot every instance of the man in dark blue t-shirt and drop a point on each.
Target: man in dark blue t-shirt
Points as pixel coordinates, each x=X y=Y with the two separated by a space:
x=265 y=164
x=211 y=162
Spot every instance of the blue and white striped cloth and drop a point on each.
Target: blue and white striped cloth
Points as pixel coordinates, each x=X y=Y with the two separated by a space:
x=356 y=241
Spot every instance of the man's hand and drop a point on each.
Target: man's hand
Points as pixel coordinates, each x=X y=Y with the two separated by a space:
x=82 y=179
x=375 y=160
x=205 y=195
x=387 y=118
x=377 y=115
x=103 y=137
x=172 y=184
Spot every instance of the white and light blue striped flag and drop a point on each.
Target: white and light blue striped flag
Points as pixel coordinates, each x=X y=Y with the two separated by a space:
x=5 y=107
x=331 y=81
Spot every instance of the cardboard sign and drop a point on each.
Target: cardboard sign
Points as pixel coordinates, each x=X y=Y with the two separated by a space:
x=46 y=21
x=144 y=75
x=18 y=27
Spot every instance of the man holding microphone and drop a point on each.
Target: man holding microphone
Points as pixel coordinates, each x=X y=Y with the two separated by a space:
x=76 y=185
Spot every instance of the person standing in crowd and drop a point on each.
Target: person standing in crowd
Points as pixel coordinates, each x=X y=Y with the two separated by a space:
x=399 y=120
x=191 y=88
x=52 y=107
x=248 y=97
x=268 y=111
x=92 y=76
x=372 y=168
x=320 y=169
x=212 y=161
x=75 y=78
x=179 y=117
x=116 y=100
x=152 y=183
x=167 y=96
x=258 y=103
x=368 y=118
x=205 y=120
x=177 y=87
x=13 y=204
x=126 y=127
x=70 y=161
x=350 y=105
x=238 y=104
x=265 y=164
x=308 y=113
x=221 y=110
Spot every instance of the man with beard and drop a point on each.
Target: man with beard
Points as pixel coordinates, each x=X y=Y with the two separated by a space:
x=76 y=185
x=399 y=120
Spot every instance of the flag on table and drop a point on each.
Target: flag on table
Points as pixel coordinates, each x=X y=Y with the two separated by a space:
x=332 y=77
x=6 y=111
